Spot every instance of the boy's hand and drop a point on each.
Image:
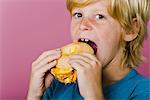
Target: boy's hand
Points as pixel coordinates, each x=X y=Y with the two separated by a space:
x=89 y=73
x=40 y=76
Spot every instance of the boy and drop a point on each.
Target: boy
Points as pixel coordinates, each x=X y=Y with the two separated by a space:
x=118 y=28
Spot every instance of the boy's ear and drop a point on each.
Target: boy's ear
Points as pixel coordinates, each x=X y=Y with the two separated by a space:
x=134 y=32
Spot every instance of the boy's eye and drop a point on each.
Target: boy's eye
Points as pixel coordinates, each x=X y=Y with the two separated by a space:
x=99 y=16
x=77 y=15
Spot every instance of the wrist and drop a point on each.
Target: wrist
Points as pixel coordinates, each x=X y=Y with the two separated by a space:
x=94 y=97
x=95 y=94
x=33 y=96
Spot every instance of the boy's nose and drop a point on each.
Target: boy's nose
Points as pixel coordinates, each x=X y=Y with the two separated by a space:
x=85 y=25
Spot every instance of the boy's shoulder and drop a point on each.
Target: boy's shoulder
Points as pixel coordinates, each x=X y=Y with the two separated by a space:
x=141 y=87
x=131 y=86
x=142 y=83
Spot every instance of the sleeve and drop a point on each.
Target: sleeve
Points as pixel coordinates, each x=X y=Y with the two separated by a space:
x=48 y=93
x=142 y=90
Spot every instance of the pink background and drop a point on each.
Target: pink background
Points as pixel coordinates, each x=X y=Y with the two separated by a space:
x=27 y=28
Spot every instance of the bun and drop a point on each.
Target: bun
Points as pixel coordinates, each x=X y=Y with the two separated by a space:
x=63 y=70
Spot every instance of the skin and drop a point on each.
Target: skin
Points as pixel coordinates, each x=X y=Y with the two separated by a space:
x=93 y=71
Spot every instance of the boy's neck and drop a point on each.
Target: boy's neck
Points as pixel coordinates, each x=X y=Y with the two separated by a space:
x=113 y=72
x=113 y=76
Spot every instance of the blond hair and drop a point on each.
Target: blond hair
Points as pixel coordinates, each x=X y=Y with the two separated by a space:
x=124 y=11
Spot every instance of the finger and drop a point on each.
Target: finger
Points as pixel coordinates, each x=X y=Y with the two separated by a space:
x=82 y=57
x=81 y=62
x=90 y=56
x=47 y=67
x=46 y=54
x=47 y=60
x=77 y=66
x=77 y=56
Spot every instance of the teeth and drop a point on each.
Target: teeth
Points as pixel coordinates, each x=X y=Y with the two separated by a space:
x=86 y=40
x=82 y=40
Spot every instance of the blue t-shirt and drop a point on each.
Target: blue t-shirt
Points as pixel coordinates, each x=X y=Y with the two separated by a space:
x=132 y=86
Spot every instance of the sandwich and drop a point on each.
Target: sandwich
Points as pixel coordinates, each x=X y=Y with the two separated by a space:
x=63 y=71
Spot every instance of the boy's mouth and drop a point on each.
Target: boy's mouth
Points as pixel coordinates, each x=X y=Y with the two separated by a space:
x=89 y=42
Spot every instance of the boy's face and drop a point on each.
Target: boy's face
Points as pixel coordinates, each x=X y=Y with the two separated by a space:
x=94 y=23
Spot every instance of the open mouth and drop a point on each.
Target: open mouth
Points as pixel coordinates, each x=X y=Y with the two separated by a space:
x=89 y=42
